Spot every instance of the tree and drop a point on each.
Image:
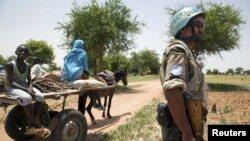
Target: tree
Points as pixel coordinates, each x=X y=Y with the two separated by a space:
x=134 y=64
x=53 y=66
x=247 y=72
x=209 y=71
x=115 y=62
x=10 y=58
x=42 y=50
x=106 y=27
x=230 y=71
x=3 y=61
x=222 y=33
x=143 y=60
x=238 y=70
x=215 y=71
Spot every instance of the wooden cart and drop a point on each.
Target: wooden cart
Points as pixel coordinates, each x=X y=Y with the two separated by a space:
x=65 y=125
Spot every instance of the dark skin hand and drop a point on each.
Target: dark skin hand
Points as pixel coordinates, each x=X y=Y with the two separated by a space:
x=177 y=109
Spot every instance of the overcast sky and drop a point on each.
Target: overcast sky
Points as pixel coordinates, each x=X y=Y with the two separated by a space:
x=22 y=20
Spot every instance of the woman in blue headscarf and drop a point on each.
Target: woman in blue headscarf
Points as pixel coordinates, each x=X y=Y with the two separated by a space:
x=75 y=63
x=75 y=67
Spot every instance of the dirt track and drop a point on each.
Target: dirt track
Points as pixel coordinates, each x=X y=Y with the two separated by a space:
x=232 y=108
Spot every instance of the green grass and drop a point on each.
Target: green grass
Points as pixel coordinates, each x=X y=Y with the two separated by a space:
x=217 y=83
x=218 y=87
x=141 y=127
x=143 y=78
x=123 y=89
x=132 y=79
x=228 y=82
x=227 y=109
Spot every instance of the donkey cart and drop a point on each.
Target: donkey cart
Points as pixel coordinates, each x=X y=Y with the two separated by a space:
x=65 y=125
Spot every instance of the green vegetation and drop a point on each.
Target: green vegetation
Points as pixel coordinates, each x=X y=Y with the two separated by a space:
x=227 y=109
x=131 y=79
x=106 y=27
x=122 y=89
x=228 y=82
x=216 y=83
x=214 y=41
x=144 y=62
x=225 y=87
x=140 y=127
x=40 y=49
x=143 y=79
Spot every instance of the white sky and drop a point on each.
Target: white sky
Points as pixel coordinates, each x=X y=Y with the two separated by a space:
x=22 y=20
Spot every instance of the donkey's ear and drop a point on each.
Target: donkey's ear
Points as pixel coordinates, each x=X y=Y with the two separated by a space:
x=125 y=69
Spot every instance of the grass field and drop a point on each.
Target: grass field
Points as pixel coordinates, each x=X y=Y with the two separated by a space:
x=215 y=82
x=142 y=127
x=144 y=78
x=228 y=83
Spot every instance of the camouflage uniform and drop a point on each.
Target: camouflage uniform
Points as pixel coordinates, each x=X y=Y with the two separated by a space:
x=180 y=69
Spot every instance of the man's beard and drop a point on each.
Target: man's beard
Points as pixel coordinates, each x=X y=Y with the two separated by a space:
x=195 y=38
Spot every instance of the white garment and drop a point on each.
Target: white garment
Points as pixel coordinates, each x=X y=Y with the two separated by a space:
x=37 y=72
x=85 y=84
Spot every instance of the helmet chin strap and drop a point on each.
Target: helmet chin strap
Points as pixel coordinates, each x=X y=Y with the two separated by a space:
x=194 y=38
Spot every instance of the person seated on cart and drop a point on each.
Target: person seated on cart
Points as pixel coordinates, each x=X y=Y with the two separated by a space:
x=75 y=67
x=36 y=70
x=18 y=84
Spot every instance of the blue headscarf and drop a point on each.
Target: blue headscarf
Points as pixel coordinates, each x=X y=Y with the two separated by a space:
x=75 y=62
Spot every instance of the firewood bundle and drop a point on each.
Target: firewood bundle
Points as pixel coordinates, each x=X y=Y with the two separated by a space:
x=2 y=84
x=46 y=85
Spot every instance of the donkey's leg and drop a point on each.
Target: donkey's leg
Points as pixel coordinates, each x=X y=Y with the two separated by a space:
x=82 y=103
x=105 y=104
x=89 y=107
x=110 y=102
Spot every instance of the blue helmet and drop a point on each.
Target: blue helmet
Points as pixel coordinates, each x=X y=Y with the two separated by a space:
x=182 y=17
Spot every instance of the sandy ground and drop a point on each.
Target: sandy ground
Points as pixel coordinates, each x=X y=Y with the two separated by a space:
x=232 y=108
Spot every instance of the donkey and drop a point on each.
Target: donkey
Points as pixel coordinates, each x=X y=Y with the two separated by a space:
x=109 y=78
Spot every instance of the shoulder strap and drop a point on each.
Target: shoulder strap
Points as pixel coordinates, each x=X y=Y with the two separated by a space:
x=181 y=45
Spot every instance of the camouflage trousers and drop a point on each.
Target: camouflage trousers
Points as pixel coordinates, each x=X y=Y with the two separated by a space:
x=170 y=133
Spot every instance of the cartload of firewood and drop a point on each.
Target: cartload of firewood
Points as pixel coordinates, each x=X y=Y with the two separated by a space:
x=2 y=83
x=46 y=85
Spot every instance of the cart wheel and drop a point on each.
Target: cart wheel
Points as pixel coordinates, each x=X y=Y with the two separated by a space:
x=15 y=124
x=68 y=125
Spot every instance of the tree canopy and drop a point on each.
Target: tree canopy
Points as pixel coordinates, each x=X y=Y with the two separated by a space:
x=223 y=25
x=145 y=60
x=3 y=61
x=42 y=50
x=105 y=27
x=115 y=62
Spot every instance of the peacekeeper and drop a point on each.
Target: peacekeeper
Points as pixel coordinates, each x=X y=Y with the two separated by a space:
x=182 y=79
